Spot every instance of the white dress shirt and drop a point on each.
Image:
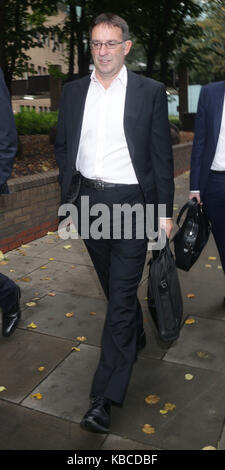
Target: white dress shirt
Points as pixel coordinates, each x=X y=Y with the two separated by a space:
x=218 y=163
x=103 y=152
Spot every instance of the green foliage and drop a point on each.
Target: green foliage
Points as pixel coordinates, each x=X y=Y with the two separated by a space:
x=175 y=120
x=31 y=122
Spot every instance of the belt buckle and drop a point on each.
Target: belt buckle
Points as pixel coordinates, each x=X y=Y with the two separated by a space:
x=99 y=184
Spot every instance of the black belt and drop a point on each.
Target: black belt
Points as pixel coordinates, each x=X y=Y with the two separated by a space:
x=99 y=184
x=218 y=172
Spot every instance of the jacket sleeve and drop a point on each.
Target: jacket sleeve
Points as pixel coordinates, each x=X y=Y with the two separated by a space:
x=198 y=143
x=161 y=152
x=8 y=133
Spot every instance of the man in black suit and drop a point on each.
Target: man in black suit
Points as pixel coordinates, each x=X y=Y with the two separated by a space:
x=9 y=291
x=207 y=175
x=113 y=131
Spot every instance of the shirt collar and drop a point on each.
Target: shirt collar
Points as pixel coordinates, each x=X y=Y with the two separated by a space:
x=122 y=76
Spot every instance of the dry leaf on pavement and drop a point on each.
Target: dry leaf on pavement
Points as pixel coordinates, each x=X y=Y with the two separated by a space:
x=38 y=396
x=152 y=399
x=190 y=321
x=2 y=388
x=32 y=325
x=148 y=429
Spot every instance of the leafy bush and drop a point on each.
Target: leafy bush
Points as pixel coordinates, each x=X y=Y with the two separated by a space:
x=30 y=122
x=175 y=120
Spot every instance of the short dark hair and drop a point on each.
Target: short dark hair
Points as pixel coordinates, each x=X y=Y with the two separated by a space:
x=112 y=20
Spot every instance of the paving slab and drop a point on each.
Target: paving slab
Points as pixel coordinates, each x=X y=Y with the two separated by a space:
x=113 y=442
x=66 y=390
x=62 y=277
x=21 y=356
x=201 y=344
x=49 y=315
x=24 y=429
x=196 y=421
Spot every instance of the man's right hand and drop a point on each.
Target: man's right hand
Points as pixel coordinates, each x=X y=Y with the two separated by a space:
x=196 y=195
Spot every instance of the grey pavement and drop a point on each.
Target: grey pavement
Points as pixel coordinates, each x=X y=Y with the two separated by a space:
x=42 y=408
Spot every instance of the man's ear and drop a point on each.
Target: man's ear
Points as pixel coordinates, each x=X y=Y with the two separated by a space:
x=127 y=48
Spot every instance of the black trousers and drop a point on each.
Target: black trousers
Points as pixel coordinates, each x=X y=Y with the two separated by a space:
x=214 y=205
x=119 y=264
x=7 y=292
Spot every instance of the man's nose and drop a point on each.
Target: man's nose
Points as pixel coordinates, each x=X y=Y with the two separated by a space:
x=103 y=49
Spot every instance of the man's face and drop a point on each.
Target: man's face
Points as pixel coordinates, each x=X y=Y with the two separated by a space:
x=108 y=62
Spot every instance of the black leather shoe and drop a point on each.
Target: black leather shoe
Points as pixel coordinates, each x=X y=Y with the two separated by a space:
x=97 y=418
x=11 y=317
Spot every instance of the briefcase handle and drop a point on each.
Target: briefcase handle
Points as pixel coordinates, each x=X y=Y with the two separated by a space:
x=190 y=203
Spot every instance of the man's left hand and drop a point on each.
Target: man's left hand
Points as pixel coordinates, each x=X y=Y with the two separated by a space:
x=167 y=225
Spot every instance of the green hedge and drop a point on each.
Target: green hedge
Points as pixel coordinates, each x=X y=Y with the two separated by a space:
x=30 y=122
x=175 y=120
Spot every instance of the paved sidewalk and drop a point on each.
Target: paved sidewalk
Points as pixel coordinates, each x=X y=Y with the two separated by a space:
x=57 y=280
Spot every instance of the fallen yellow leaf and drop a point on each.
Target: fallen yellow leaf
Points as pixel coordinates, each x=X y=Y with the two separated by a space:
x=41 y=368
x=69 y=314
x=219 y=267
x=38 y=396
x=148 y=429
x=189 y=376
x=26 y=279
x=44 y=168
x=75 y=349
x=36 y=298
x=25 y=246
x=202 y=355
x=43 y=267
x=12 y=270
x=32 y=325
x=169 y=406
x=67 y=247
x=189 y=321
x=208 y=265
x=44 y=278
x=1 y=256
x=211 y=257
x=190 y=296
x=51 y=233
x=31 y=304
x=51 y=259
x=2 y=388
x=163 y=412
x=152 y=399
x=209 y=448
x=81 y=338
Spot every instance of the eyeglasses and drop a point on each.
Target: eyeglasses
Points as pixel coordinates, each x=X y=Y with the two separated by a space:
x=96 y=45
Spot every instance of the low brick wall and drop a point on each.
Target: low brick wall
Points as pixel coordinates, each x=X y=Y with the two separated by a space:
x=31 y=208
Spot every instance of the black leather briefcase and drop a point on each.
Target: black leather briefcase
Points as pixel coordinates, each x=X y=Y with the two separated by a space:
x=192 y=235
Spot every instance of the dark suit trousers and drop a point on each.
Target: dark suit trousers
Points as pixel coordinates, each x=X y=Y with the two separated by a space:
x=214 y=205
x=7 y=292
x=119 y=264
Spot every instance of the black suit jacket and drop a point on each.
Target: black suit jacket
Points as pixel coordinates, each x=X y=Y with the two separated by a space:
x=8 y=136
x=146 y=129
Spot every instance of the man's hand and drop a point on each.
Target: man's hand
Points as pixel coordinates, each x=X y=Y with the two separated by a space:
x=196 y=195
x=167 y=225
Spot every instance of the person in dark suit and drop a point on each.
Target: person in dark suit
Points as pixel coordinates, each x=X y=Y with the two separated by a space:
x=8 y=136
x=113 y=131
x=9 y=291
x=207 y=175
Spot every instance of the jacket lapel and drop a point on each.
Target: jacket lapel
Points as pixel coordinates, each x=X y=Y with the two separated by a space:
x=78 y=112
x=133 y=104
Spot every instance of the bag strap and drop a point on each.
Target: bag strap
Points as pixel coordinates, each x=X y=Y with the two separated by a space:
x=190 y=203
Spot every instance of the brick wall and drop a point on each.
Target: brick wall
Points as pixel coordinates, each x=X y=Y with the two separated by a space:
x=31 y=208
